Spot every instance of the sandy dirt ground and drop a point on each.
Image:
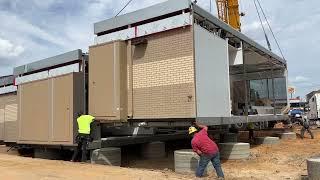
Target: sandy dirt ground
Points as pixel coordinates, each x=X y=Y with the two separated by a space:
x=286 y=160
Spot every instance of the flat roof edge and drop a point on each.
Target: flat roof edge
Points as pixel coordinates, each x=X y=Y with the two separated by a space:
x=6 y=80
x=48 y=62
x=200 y=11
x=150 y=12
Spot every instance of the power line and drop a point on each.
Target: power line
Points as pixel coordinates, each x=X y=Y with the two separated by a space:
x=264 y=31
x=124 y=7
x=274 y=37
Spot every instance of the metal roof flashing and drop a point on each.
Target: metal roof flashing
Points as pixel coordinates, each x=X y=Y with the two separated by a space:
x=49 y=62
x=154 y=11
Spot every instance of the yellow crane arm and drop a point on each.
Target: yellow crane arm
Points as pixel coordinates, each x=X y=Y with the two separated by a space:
x=228 y=11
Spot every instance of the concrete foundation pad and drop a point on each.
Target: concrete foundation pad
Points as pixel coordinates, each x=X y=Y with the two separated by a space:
x=186 y=161
x=267 y=140
x=234 y=150
x=313 y=166
x=154 y=150
x=287 y=135
x=106 y=156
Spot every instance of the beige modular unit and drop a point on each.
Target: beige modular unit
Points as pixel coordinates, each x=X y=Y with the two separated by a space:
x=48 y=109
x=158 y=76
x=108 y=81
x=8 y=117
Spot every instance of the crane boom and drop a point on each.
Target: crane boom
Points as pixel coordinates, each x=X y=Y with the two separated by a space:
x=228 y=11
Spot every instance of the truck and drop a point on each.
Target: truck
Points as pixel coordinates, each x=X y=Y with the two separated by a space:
x=314 y=107
x=150 y=74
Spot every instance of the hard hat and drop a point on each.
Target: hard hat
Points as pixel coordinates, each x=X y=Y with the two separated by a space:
x=192 y=130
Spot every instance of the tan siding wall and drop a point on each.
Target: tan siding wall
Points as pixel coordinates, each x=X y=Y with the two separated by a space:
x=8 y=117
x=163 y=76
x=52 y=106
x=11 y=122
x=1 y=120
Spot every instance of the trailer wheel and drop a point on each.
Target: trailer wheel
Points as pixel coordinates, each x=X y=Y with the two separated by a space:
x=239 y=125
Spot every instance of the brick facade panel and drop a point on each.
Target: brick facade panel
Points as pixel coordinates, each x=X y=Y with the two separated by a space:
x=163 y=76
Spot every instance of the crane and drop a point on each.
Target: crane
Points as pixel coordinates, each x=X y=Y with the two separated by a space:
x=228 y=11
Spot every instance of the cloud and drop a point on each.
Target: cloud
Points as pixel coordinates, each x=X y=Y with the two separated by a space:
x=8 y=49
x=255 y=25
x=299 y=79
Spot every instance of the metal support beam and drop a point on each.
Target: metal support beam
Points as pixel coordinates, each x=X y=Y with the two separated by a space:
x=245 y=84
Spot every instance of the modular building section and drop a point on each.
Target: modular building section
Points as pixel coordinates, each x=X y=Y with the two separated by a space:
x=48 y=110
x=108 y=81
x=8 y=110
x=180 y=62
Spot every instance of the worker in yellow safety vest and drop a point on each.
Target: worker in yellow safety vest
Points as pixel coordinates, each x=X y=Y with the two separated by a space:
x=83 y=137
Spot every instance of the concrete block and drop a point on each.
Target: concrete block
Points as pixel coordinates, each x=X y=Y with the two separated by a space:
x=234 y=150
x=313 y=166
x=154 y=150
x=106 y=156
x=287 y=136
x=267 y=140
x=186 y=161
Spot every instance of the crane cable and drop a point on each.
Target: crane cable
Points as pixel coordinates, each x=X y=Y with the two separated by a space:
x=123 y=7
x=264 y=31
x=274 y=37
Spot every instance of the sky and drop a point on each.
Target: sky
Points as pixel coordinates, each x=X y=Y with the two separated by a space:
x=31 y=30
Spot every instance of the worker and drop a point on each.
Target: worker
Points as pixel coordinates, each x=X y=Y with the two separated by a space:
x=83 y=137
x=305 y=127
x=250 y=127
x=206 y=148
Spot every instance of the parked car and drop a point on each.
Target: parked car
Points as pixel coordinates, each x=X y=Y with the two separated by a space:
x=295 y=113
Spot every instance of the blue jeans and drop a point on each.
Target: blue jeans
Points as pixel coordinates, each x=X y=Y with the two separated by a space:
x=204 y=160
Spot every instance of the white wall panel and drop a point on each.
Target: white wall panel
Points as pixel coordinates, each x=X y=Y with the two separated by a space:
x=32 y=77
x=212 y=75
x=119 y=35
x=235 y=55
x=64 y=70
x=164 y=24
x=8 y=89
x=146 y=29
